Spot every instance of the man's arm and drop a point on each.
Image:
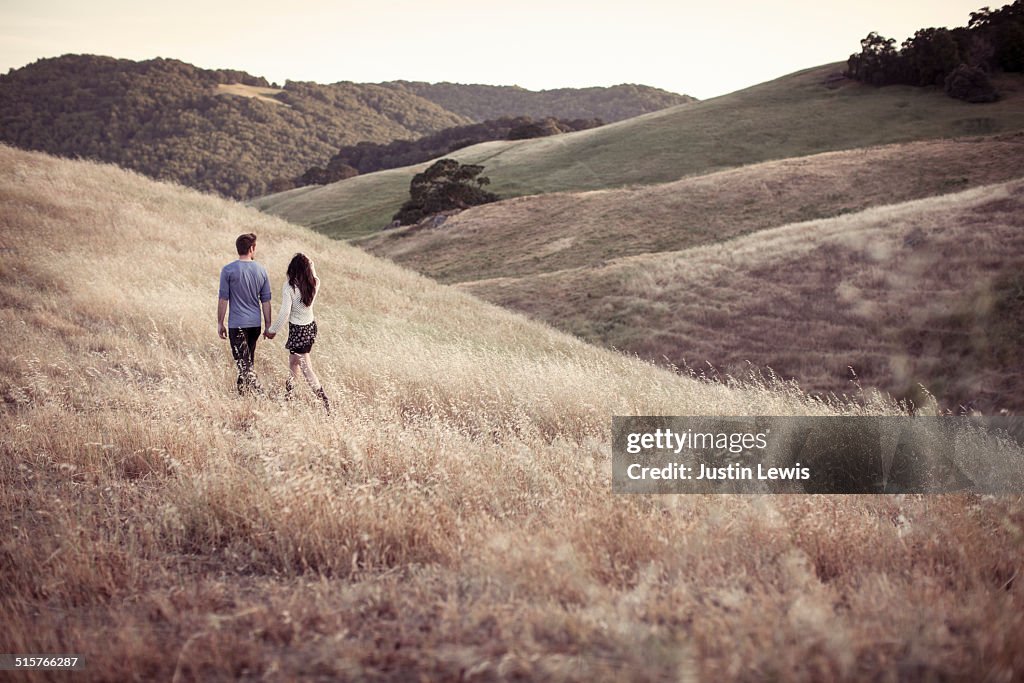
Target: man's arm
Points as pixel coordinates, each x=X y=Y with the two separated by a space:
x=222 y=308
x=265 y=300
x=267 y=318
x=223 y=296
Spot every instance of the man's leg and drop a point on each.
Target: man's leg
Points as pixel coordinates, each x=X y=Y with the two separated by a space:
x=243 y=350
x=252 y=335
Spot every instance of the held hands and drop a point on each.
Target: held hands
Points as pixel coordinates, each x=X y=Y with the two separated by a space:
x=223 y=332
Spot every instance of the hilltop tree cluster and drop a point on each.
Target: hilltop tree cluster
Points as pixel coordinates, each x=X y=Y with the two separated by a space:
x=367 y=157
x=960 y=59
x=446 y=185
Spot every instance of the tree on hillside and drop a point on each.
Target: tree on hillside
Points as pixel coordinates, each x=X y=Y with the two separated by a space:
x=971 y=84
x=1003 y=29
x=877 y=62
x=444 y=186
x=930 y=55
x=537 y=129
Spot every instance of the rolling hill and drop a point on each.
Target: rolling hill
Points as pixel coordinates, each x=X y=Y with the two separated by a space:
x=926 y=293
x=226 y=131
x=537 y=234
x=808 y=112
x=453 y=518
x=582 y=262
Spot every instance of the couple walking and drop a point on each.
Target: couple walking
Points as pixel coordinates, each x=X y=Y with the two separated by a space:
x=245 y=289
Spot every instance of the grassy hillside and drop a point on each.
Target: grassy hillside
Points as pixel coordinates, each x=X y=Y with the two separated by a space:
x=261 y=93
x=452 y=518
x=926 y=292
x=804 y=113
x=367 y=157
x=531 y=235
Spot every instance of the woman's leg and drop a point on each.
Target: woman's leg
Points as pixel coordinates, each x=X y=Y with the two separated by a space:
x=314 y=382
x=293 y=370
x=307 y=370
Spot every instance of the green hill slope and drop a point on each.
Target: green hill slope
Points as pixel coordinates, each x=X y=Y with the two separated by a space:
x=803 y=113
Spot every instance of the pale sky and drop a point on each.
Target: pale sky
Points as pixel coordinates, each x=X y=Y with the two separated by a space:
x=702 y=49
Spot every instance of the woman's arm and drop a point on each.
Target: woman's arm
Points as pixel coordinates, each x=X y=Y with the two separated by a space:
x=284 y=311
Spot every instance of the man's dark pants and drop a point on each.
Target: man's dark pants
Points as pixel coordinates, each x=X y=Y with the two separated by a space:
x=243 y=350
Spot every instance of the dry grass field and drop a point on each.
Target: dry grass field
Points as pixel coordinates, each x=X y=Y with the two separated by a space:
x=452 y=520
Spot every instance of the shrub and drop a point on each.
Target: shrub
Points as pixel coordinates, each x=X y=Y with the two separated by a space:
x=970 y=83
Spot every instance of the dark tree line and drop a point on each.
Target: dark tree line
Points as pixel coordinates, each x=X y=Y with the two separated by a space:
x=367 y=157
x=960 y=59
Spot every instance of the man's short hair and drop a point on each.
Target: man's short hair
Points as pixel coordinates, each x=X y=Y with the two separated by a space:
x=244 y=243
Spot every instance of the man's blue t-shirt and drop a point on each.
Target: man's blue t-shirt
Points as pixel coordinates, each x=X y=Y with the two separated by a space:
x=245 y=285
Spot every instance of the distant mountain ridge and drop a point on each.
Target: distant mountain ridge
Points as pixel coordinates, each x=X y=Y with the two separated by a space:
x=483 y=102
x=222 y=130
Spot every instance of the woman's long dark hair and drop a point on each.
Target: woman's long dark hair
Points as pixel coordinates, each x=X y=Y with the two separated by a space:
x=300 y=276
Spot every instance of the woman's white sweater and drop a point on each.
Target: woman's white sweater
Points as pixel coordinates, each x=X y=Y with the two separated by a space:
x=292 y=309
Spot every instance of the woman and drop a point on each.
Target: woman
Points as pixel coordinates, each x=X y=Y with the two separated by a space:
x=297 y=307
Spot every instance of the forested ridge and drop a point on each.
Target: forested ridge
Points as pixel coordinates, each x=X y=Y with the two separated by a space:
x=174 y=121
x=165 y=118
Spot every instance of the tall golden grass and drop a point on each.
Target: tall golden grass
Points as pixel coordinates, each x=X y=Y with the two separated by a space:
x=451 y=520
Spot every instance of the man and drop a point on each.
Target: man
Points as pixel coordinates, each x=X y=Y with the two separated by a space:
x=245 y=286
